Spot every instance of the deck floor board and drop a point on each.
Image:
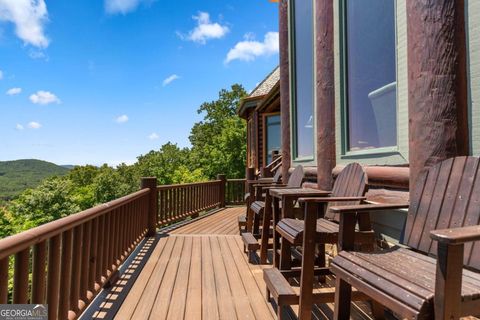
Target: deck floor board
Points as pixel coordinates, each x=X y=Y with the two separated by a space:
x=199 y=271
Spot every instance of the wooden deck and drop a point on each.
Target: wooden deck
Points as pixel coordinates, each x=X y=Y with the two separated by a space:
x=188 y=277
x=224 y=222
x=194 y=272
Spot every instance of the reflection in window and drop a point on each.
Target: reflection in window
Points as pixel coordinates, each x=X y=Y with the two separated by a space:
x=303 y=77
x=273 y=141
x=371 y=74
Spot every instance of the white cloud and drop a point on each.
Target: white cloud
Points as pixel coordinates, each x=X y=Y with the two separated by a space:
x=19 y=126
x=249 y=49
x=170 y=79
x=44 y=97
x=205 y=29
x=121 y=6
x=29 y=18
x=1 y=74
x=38 y=54
x=153 y=136
x=34 y=125
x=122 y=119
x=14 y=91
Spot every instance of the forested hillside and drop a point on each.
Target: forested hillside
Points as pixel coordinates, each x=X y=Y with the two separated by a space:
x=18 y=175
x=218 y=146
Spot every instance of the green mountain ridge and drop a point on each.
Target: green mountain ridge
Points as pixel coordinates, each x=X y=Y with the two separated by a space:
x=18 y=175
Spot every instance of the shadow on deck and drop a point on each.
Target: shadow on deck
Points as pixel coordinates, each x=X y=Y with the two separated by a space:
x=195 y=271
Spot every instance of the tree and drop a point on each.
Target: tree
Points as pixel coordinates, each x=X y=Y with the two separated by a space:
x=219 y=141
x=6 y=227
x=50 y=201
x=164 y=163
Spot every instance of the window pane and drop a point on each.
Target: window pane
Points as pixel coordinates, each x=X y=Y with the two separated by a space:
x=303 y=24
x=273 y=141
x=371 y=74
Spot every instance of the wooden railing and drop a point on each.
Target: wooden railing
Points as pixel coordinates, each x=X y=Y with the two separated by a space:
x=235 y=192
x=65 y=263
x=180 y=201
x=72 y=258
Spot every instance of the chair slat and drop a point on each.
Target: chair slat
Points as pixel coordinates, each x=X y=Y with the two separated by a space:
x=447 y=195
x=350 y=182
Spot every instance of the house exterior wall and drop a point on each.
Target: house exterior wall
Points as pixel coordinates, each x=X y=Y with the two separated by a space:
x=472 y=8
x=431 y=99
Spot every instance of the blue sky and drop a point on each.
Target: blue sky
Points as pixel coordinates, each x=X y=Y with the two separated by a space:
x=104 y=81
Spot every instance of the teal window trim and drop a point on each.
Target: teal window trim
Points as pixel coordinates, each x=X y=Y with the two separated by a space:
x=292 y=70
x=345 y=152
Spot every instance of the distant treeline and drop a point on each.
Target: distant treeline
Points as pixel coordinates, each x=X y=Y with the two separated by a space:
x=218 y=146
x=18 y=175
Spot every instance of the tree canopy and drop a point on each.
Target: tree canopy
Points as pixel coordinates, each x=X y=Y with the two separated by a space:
x=218 y=145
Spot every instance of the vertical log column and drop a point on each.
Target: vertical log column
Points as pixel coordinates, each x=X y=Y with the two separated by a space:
x=284 y=88
x=325 y=88
x=222 y=193
x=437 y=82
x=151 y=183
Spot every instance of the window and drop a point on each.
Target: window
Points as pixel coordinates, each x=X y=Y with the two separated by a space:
x=370 y=74
x=273 y=140
x=303 y=83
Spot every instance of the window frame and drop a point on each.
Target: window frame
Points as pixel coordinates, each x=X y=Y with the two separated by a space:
x=397 y=154
x=265 y=137
x=309 y=160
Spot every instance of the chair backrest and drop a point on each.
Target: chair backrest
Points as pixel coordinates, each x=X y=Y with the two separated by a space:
x=447 y=195
x=296 y=177
x=278 y=175
x=352 y=181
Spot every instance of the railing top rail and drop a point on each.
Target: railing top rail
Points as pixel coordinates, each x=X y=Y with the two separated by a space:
x=25 y=239
x=237 y=180
x=181 y=185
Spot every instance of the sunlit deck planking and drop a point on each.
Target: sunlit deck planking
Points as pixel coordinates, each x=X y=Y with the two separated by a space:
x=223 y=222
x=197 y=277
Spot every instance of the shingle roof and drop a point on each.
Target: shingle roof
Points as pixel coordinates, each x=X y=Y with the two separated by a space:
x=267 y=84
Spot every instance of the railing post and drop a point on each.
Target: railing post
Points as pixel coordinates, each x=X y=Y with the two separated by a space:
x=223 y=185
x=151 y=183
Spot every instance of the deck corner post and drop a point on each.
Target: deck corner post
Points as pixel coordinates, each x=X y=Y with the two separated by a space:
x=151 y=183
x=222 y=193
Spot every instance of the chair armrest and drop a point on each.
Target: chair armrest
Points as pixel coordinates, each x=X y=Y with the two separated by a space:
x=368 y=208
x=456 y=235
x=277 y=186
x=269 y=181
x=331 y=199
x=269 y=185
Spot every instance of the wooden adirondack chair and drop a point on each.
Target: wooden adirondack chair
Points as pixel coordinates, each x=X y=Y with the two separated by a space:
x=350 y=188
x=442 y=221
x=250 y=195
x=250 y=238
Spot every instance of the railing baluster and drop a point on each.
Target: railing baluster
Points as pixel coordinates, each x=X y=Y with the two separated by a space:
x=4 y=280
x=86 y=267
x=53 y=276
x=77 y=270
x=93 y=260
x=100 y=251
x=65 y=275
x=160 y=207
x=20 y=280
x=114 y=244
x=123 y=242
x=39 y=273
x=106 y=244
